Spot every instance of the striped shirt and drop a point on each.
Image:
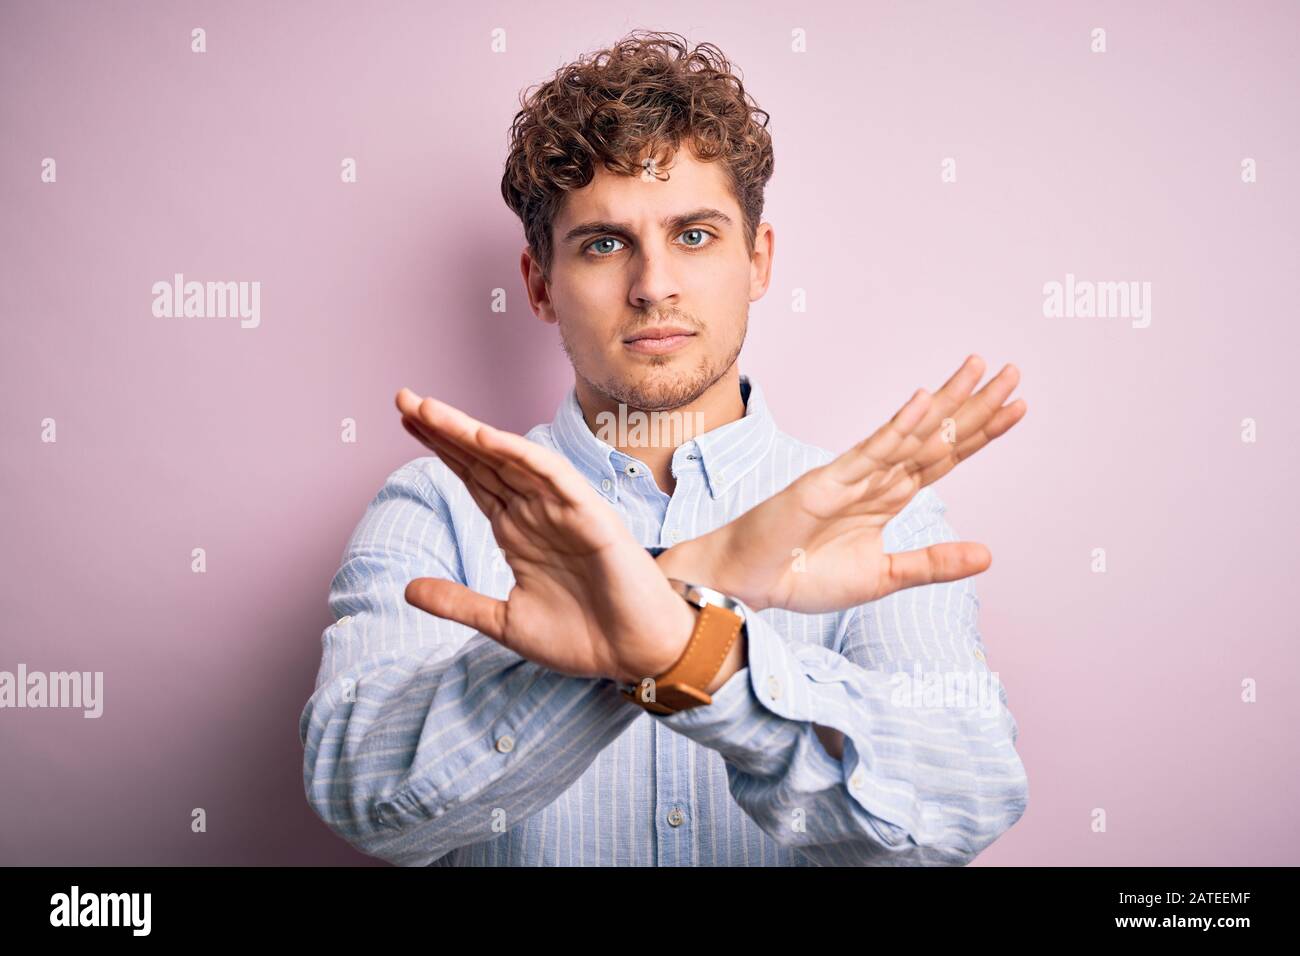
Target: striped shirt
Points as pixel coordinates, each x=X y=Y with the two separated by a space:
x=428 y=744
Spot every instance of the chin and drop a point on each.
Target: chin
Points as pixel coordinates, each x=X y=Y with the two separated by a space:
x=665 y=385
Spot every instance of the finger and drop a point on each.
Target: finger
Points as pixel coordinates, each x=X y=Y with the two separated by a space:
x=933 y=451
x=455 y=602
x=864 y=457
x=981 y=418
x=454 y=426
x=482 y=482
x=966 y=377
x=953 y=392
x=985 y=403
x=431 y=440
x=1001 y=422
x=952 y=396
x=884 y=491
x=426 y=438
x=488 y=493
x=408 y=403
x=555 y=472
x=467 y=434
x=949 y=561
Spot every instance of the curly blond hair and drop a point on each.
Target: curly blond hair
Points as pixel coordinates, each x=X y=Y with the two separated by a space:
x=641 y=98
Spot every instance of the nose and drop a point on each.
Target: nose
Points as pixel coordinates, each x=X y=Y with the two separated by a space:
x=654 y=281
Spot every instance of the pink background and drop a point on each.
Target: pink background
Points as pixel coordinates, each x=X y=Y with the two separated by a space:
x=175 y=434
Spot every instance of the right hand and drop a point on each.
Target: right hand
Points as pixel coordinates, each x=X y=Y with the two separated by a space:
x=588 y=600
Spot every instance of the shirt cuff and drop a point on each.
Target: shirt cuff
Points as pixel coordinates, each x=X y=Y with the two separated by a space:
x=760 y=720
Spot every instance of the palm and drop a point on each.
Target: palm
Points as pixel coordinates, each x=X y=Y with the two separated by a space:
x=587 y=600
x=823 y=545
x=552 y=549
x=818 y=545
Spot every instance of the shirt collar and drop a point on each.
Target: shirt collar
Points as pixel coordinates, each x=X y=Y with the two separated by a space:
x=727 y=453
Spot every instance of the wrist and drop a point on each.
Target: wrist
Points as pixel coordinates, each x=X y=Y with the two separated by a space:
x=737 y=657
x=708 y=560
x=687 y=561
x=700 y=616
x=678 y=620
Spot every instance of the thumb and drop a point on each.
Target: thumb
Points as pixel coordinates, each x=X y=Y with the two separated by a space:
x=948 y=561
x=443 y=598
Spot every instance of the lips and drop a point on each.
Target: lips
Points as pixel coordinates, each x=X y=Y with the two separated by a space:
x=659 y=340
x=659 y=332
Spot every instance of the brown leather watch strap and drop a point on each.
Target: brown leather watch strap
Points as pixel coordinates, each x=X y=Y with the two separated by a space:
x=683 y=685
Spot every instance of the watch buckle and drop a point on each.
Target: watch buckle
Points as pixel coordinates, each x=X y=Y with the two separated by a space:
x=670 y=698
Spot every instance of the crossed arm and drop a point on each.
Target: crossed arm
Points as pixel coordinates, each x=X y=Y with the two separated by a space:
x=820 y=751
x=911 y=776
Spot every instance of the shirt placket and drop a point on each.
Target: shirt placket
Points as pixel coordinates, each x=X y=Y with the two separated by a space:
x=675 y=824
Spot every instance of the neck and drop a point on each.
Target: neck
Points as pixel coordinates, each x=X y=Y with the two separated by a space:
x=652 y=437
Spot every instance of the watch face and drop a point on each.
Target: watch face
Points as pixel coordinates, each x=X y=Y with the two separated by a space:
x=702 y=596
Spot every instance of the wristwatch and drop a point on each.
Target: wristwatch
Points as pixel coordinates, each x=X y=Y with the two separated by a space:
x=720 y=621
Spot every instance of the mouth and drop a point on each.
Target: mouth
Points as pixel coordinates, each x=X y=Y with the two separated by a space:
x=659 y=340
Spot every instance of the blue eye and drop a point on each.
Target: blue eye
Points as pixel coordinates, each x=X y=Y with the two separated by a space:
x=703 y=240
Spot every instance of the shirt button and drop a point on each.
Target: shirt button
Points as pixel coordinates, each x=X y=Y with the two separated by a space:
x=505 y=743
x=344 y=619
x=979 y=653
x=773 y=686
x=675 y=535
x=857 y=780
x=607 y=484
x=675 y=817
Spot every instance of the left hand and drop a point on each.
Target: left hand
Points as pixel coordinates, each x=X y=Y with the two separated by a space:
x=588 y=600
x=817 y=546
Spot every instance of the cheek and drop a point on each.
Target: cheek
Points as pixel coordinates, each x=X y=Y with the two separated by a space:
x=721 y=282
x=586 y=296
x=591 y=309
x=721 y=292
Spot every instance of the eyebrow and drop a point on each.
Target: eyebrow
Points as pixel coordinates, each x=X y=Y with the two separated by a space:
x=671 y=223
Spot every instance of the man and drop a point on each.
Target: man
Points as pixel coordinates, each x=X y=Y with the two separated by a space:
x=514 y=678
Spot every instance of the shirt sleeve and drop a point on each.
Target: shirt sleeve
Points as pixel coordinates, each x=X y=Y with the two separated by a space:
x=929 y=773
x=423 y=735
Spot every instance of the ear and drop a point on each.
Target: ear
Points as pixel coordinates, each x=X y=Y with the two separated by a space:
x=760 y=264
x=539 y=296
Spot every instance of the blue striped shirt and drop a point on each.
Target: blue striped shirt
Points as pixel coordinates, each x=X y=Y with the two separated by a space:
x=426 y=743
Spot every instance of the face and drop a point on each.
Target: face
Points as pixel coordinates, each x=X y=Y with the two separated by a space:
x=651 y=282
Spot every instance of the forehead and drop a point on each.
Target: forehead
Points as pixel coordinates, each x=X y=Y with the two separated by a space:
x=614 y=196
